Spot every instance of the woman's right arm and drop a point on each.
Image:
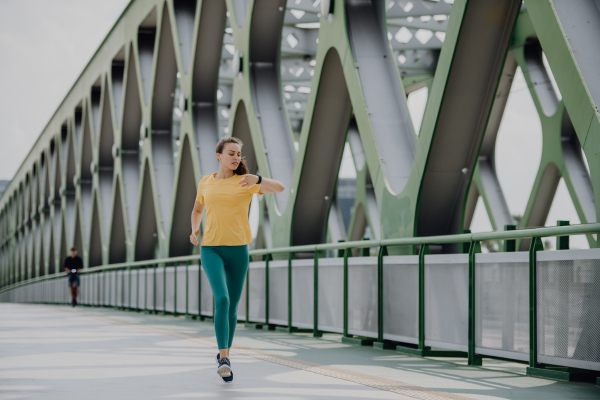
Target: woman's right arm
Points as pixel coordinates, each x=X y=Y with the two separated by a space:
x=196 y=219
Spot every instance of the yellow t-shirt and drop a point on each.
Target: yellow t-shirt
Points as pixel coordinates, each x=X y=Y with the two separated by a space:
x=226 y=203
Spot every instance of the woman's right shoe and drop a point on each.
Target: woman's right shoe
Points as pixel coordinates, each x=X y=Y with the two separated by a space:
x=224 y=367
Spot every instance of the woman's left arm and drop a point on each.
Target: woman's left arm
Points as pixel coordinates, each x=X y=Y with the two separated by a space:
x=266 y=185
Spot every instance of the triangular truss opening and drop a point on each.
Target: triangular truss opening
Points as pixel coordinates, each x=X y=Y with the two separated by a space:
x=185 y=12
x=117 y=251
x=205 y=82
x=146 y=243
x=146 y=38
x=116 y=78
x=132 y=119
x=331 y=114
x=241 y=130
x=95 y=100
x=106 y=161
x=164 y=126
x=86 y=174
x=184 y=203
x=51 y=254
x=95 y=244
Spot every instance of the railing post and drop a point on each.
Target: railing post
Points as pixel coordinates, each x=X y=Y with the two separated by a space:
x=473 y=359
x=562 y=242
x=347 y=253
x=129 y=305
x=137 y=288
x=465 y=247
x=175 y=265
x=316 y=332
x=290 y=258
x=155 y=267
x=509 y=245
x=247 y=292
x=267 y=258
x=535 y=246
x=187 y=285
x=164 y=310
x=422 y=252
x=380 y=344
x=365 y=251
x=199 y=290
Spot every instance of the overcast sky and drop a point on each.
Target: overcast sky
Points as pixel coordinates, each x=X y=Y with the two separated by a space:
x=44 y=47
x=45 y=44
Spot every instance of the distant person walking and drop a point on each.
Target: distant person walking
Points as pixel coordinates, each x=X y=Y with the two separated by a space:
x=224 y=253
x=72 y=265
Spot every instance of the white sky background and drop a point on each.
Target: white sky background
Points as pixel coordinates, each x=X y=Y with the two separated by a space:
x=46 y=44
x=44 y=47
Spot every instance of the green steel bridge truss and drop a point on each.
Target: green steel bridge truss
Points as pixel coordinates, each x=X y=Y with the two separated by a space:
x=114 y=172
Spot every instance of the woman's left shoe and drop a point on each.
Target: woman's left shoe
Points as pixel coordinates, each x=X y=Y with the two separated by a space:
x=228 y=379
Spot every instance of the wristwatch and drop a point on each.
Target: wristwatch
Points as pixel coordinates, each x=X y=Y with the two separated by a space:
x=259 y=179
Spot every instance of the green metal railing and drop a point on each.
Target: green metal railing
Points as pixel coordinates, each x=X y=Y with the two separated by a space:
x=472 y=241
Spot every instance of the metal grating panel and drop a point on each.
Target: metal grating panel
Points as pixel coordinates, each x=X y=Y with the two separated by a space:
x=446 y=301
x=181 y=289
x=133 y=299
x=568 y=299
x=362 y=296
x=159 y=288
x=278 y=292
x=170 y=289
x=207 y=296
x=502 y=305
x=401 y=298
x=192 y=298
x=257 y=285
x=126 y=288
x=119 y=280
x=241 y=314
x=331 y=295
x=303 y=290
x=149 y=295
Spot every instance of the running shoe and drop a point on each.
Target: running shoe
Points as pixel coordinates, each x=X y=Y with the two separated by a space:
x=224 y=367
x=228 y=379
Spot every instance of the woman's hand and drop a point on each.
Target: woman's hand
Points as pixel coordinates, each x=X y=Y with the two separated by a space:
x=194 y=237
x=248 y=180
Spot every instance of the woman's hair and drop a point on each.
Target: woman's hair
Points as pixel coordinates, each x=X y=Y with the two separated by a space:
x=242 y=169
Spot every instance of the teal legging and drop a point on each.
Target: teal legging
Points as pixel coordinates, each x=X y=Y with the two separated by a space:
x=226 y=268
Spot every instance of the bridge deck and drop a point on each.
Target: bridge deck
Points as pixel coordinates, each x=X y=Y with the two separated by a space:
x=53 y=352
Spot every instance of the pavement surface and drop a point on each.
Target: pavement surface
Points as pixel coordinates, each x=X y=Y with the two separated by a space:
x=59 y=352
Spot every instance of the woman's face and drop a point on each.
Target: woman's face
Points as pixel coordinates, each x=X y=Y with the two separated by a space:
x=231 y=156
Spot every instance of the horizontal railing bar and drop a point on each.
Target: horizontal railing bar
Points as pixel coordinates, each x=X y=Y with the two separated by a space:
x=582 y=229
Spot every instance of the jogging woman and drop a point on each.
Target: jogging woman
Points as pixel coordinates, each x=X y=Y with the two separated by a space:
x=224 y=251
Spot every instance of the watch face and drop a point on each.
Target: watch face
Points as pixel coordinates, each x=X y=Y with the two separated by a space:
x=73 y=270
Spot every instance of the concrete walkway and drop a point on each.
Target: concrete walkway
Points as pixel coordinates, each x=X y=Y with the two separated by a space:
x=52 y=352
